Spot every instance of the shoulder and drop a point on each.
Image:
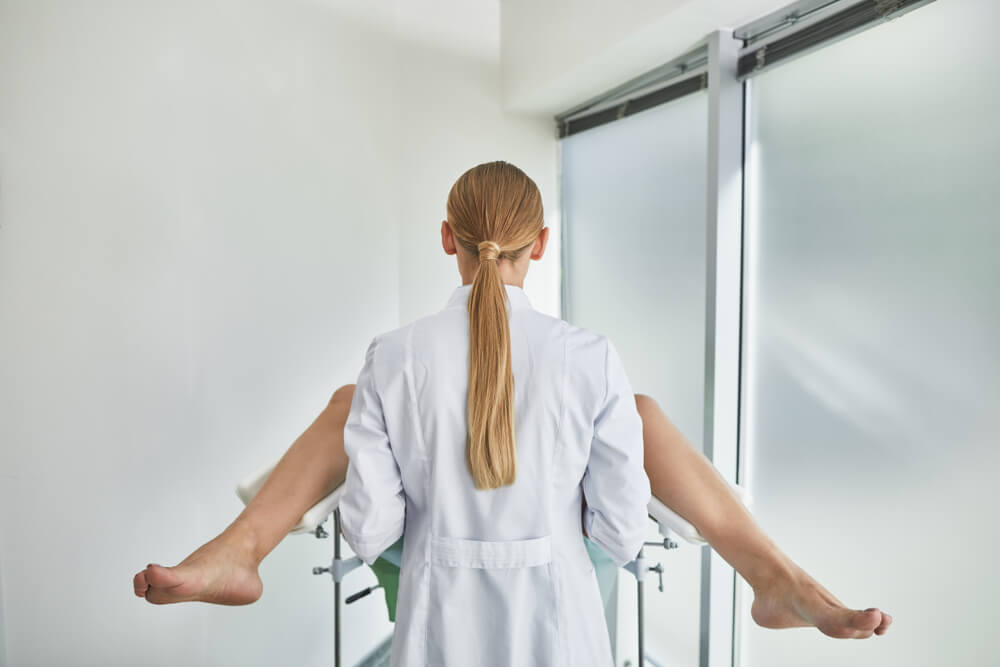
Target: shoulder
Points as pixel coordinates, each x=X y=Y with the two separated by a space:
x=584 y=348
x=574 y=337
x=586 y=354
x=584 y=343
x=395 y=345
x=388 y=344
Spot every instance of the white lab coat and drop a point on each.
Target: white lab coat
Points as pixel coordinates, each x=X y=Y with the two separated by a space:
x=496 y=577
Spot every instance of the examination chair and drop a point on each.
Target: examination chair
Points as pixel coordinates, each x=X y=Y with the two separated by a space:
x=669 y=523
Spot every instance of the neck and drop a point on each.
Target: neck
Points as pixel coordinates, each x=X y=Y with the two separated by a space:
x=510 y=273
x=506 y=282
x=508 y=276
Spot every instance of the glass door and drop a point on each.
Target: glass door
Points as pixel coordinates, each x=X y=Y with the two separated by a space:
x=634 y=211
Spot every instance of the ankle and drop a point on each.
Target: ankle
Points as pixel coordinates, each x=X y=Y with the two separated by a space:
x=241 y=535
x=778 y=572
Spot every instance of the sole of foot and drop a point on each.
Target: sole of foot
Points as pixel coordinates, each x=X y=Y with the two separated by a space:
x=219 y=572
x=800 y=601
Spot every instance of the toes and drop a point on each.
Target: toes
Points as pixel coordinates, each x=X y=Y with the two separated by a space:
x=160 y=596
x=863 y=624
x=866 y=621
x=158 y=576
x=884 y=625
x=165 y=585
x=140 y=584
x=851 y=624
x=157 y=584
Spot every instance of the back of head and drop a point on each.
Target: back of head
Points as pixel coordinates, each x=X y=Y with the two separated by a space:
x=495 y=212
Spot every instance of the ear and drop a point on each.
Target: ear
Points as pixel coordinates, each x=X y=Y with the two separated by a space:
x=447 y=239
x=538 y=249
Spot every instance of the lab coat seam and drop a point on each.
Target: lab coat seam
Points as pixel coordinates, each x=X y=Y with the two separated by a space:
x=412 y=391
x=377 y=340
x=426 y=491
x=561 y=427
x=556 y=571
x=607 y=371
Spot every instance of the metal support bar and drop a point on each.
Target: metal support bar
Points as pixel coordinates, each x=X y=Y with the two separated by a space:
x=722 y=323
x=637 y=568
x=336 y=589
x=640 y=594
x=340 y=567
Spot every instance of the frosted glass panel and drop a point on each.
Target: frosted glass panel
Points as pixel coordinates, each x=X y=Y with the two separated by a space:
x=634 y=205
x=872 y=318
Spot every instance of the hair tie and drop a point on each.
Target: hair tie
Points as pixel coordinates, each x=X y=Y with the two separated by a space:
x=488 y=250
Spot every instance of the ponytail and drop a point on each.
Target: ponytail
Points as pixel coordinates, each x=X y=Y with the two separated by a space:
x=496 y=201
x=490 y=448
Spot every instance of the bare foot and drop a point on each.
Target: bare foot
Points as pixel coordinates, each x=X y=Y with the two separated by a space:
x=222 y=571
x=798 y=600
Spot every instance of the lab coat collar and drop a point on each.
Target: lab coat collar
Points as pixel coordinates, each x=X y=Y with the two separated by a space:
x=516 y=296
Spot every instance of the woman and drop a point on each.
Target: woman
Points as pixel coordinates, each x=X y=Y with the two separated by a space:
x=225 y=569
x=494 y=567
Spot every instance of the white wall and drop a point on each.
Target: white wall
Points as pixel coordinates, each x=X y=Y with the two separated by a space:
x=453 y=120
x=207 y=209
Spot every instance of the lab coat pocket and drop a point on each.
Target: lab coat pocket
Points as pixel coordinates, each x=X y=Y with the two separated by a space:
x=492 y=603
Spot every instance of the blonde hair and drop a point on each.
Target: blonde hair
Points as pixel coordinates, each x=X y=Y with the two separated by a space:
x=495 y=212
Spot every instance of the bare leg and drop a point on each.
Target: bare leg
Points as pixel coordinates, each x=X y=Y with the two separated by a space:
x=224 y=570
x=784 y=595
